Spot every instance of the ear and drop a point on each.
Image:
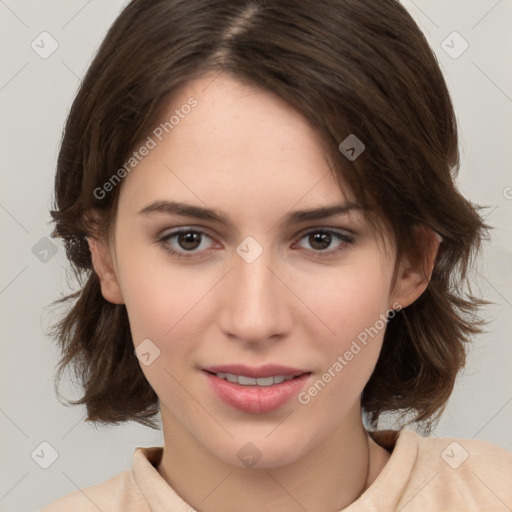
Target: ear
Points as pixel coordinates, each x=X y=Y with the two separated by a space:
x=413 y=279
x=103 y=266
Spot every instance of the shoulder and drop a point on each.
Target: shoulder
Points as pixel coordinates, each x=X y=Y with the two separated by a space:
x=120 y=493
x=460 y=473
x=458 y=456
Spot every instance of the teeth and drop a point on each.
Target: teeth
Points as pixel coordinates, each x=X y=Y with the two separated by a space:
x=251 y=381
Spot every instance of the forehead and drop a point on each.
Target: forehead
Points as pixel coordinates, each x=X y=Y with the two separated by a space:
x=245 y=154
x=238 y=138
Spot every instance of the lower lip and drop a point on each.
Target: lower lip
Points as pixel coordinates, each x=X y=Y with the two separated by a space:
x=256 y=399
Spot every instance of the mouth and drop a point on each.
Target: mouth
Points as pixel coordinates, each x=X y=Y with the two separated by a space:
x=266 y=375
x=256 y=390
x=245 y=380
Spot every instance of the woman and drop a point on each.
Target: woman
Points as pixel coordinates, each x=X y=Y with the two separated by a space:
x=261 y=197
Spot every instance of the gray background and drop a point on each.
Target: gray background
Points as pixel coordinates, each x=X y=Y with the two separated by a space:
x=35 y=95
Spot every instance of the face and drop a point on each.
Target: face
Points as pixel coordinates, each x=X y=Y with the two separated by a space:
x=263 y=288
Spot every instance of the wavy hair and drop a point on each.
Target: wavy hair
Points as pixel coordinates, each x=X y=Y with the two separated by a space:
x=349 y=67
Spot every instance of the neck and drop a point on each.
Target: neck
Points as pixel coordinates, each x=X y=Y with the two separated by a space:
x=332 y=475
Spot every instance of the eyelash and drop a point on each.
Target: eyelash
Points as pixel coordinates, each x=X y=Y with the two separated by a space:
x=163 y=242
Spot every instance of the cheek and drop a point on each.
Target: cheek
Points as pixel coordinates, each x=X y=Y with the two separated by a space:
x=350 y=300
x=166 y=304
x=157 y=295
x=162 y=305
x=352 y=303
x=353 y=306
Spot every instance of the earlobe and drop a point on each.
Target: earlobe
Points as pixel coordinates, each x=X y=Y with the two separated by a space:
x=413 y=281
x=104 y=268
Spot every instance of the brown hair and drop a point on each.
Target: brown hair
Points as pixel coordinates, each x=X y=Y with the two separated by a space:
x=349 y=67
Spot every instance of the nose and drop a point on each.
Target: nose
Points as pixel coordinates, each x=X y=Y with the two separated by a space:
x=256 y=302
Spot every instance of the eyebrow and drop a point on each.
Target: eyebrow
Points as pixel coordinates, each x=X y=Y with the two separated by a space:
x=295 y=217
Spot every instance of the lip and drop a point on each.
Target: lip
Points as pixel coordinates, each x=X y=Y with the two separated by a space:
x=256 y=399
x=267 y=370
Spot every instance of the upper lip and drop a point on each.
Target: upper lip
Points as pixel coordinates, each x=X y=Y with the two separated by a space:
x=267 y=370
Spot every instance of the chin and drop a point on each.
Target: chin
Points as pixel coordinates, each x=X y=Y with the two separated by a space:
x=260 y=453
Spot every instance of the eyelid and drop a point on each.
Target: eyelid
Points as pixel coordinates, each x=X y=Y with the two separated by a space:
x=328 y=229
x=206 y=231
x=345 y=236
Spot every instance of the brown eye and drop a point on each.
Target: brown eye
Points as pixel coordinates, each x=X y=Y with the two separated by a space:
x=189 y=241
x=184 y=243
x=321 y=239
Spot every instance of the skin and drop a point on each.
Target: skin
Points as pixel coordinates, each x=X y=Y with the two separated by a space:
x=247 y=153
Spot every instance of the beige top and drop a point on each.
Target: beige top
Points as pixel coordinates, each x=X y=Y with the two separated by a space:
x=423 y=474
